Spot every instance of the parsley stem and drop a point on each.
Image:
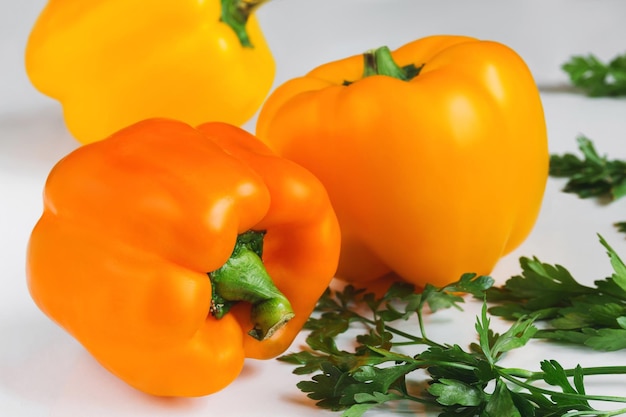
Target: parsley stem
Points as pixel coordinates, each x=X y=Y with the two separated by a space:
x=523 y=373
x=406 y=396
x=420 y=320
x=533 y=375
x=618 y=412
x=456 y=365
x=533 y=388
x=414 y=340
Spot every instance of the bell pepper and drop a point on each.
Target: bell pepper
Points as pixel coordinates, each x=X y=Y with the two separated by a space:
x=111 y=63
x=172 y=253
x=435 y=155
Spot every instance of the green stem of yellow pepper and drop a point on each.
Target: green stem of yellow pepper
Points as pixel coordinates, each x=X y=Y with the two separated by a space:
x=235 y=13
x=380 y=62
x=244 y=278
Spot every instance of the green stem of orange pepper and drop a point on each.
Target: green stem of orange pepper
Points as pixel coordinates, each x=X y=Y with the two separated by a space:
x=244 y=278
x=235 y=14
x=380 y=62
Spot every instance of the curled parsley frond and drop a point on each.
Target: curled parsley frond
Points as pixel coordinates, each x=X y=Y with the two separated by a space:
x=459 y=382
x=597 y=78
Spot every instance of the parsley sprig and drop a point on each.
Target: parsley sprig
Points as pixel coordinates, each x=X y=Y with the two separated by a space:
x=594 y=316
x=460 y=382
x=597 y=78
x=592 y=176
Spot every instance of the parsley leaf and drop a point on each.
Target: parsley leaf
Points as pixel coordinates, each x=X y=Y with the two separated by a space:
x=591 y=316
x=592 y=176
x=494 y=345
x=459 y=382
x=596 y=78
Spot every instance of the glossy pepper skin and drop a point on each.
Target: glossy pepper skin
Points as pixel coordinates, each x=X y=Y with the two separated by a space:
x=132 y=225
x=111 y=63
x=431 y=176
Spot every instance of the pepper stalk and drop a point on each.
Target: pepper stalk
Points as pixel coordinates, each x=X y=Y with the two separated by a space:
x=244 y=278
x=379 y=61
x=235 y=13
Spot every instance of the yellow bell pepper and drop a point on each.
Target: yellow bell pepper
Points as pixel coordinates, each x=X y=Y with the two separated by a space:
x=435 y=156
x=112 y=63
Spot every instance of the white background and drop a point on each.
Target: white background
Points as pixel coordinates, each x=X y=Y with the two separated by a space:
x=44 y=372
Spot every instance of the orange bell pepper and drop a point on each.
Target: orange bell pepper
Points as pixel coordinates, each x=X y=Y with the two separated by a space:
x=111 y=63
x=435 y=156
x=173 y=253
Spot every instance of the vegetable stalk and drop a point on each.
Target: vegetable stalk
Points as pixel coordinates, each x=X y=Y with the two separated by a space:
x=379 y=61
x=244 y=278
x=235 y=13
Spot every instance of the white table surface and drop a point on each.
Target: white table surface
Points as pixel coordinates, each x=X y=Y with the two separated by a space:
x=44 y=372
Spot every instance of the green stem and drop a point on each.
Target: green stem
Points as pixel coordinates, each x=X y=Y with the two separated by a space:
x=414 y=339
x=456 y=365
x=573 y=396
x=235 y=13
x=420 y=320
x=244 y=278
x=611 y=413
x=594 y=370
x=380 y=62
